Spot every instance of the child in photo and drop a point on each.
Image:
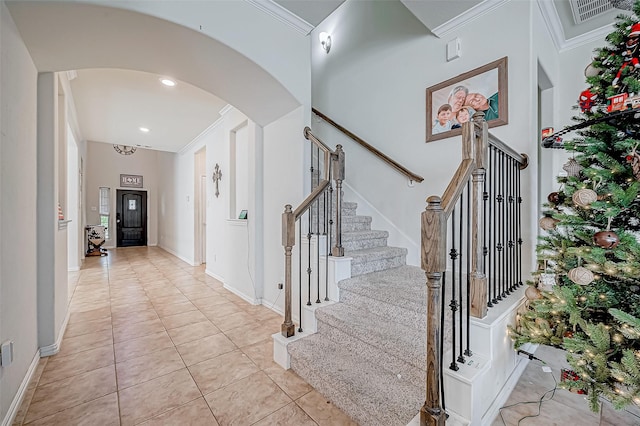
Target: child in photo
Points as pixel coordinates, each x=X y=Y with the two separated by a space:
x=443 y=121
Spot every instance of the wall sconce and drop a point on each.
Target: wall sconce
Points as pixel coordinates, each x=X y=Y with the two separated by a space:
x=325 y=41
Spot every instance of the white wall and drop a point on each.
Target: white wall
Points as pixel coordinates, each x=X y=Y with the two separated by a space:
x=72 y=209
x=18 y=188
x=103 y=167
x=373 y=82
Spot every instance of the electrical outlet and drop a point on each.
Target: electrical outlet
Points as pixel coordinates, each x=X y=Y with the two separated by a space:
x=6 y=353
x=280 y=286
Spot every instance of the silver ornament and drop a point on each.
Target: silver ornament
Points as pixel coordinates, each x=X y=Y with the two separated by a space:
x=572 y=168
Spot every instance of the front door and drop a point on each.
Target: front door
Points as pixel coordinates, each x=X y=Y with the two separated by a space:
x=131 y=218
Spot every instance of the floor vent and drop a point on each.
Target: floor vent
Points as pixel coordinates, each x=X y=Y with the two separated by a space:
x=583 y=10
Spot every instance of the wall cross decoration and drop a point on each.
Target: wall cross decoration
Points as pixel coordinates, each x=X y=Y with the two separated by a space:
x=217 y=176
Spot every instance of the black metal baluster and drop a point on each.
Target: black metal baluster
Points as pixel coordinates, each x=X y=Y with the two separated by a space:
x=514 y=171
x=467 y=351
x=519 y=206
x=453 y=254
x=317 y=206
x=310 y=212
x=509 y=284
x=498 y=231
x=460 y=274
x=300 y=273
x=492 y=222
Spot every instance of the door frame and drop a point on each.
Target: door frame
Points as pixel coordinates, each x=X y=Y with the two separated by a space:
x=119 y=206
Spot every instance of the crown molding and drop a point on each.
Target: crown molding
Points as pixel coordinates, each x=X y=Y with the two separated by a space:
x=554 y=25
x=283 y=15
x=470 y=15
x=202 y=134
x=225 y=109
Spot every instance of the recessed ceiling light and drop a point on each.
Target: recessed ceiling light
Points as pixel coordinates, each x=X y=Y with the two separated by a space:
x=144 y=130
x=167 y=82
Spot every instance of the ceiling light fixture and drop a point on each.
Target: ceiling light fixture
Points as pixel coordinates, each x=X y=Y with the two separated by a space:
x=325 y=41
x=167 y=82
x=144 y=130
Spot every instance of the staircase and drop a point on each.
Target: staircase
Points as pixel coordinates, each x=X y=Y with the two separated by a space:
x=368 y=356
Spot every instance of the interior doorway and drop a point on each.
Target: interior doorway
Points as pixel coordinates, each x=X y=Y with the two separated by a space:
x=131 y=218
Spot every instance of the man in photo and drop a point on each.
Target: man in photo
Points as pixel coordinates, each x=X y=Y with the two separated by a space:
x=479 y=102
x=457 y=97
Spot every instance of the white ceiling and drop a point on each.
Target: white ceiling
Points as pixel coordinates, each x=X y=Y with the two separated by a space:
x=112 y=104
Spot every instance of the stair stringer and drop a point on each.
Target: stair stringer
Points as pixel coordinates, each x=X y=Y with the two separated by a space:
x=483 y=384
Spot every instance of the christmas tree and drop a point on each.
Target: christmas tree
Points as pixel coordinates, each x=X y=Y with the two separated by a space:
x=585 y=298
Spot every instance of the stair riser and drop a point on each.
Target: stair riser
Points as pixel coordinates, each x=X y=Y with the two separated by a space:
x=377 y=265
x=392 y=312
x=391 y=362
x=330 y=387
x=349 y=224
x=364 y=243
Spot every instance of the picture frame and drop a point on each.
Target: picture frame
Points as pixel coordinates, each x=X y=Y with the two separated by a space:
x=486 y=89
x=243 y=214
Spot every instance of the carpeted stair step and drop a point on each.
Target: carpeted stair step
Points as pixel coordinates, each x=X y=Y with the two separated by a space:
x=356 y=223
x=365 y=391
x=376 y=259
x=359 y=240
x=399 y=348
x=399 y=294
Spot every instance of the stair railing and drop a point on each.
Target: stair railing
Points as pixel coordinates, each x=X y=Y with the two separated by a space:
x=321 y=200
x=477 y=223
x=375 y=151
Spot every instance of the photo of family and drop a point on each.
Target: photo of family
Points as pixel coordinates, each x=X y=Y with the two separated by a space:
x=453 y=102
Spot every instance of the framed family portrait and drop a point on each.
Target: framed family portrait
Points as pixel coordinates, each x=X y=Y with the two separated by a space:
x=453 y=102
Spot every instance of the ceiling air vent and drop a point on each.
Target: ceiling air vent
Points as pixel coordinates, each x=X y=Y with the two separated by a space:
x=583 y=10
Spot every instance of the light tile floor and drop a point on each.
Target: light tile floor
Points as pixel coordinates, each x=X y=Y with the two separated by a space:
x=154 y=341
x=565 y=408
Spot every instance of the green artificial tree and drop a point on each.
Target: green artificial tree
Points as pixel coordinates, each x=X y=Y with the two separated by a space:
x=586 y=296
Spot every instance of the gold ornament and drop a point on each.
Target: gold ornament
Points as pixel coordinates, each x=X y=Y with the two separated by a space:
x=548 y=223
x=584 y=197
x=581 y=276
x=572 y=168
x=532 y=293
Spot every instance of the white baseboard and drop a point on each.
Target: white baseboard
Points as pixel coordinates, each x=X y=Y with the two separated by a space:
x=55 y=347
x=184 y=259
x=73 y=269
x=252 y=300
x=494 y=409
x=17 y=400
x=214 y=275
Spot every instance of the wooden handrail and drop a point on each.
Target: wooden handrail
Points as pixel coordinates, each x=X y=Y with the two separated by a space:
x=457 y=185
x=315 y=194
x=399 y=167
x=523 y=159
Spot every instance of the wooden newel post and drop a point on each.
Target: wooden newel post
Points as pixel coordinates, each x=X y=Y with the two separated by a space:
x=478 y=290
x=338 y=175
x=434 y=248
x=288 y=241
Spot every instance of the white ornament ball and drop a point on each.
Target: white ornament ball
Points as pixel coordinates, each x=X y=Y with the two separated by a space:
x=584 y=197
x=581 y=276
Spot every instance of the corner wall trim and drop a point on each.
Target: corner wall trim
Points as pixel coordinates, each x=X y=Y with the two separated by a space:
x=55 y=348
x=470 y=15
x=22 y=390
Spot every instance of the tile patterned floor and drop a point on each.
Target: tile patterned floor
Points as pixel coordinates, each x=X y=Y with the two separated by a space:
x=154 y=341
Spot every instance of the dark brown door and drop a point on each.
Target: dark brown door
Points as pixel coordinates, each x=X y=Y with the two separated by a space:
x=131 y=218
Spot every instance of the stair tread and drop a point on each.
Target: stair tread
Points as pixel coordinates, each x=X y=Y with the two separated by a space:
x=380 y=393
x=375 y=253
x=361 y=235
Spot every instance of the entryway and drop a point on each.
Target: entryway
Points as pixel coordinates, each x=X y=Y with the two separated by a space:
x=131 y=218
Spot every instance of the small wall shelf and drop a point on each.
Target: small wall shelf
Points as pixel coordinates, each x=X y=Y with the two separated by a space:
x=62 y=224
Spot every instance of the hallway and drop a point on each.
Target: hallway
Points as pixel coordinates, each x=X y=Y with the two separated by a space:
x=153 y=340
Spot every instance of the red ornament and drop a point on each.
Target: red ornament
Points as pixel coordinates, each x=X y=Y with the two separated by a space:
x=606 y=239
x=587 y=100
x=568 y=334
